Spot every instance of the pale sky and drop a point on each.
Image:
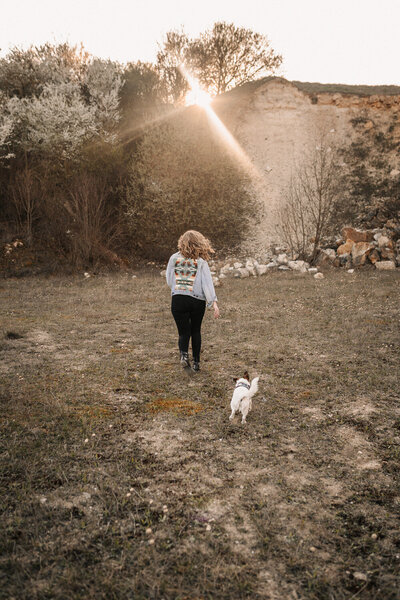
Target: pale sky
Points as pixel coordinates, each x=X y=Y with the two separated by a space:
x=330 y=41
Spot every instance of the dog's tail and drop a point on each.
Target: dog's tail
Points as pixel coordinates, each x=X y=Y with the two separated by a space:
x=253 y=388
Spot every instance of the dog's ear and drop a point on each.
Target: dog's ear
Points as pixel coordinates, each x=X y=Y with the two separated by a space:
x=246 y=375
x=235 y=379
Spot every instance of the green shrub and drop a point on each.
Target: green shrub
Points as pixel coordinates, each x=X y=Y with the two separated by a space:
x=184 y=177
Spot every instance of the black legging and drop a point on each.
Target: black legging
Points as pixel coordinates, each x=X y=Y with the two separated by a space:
x=188 y=313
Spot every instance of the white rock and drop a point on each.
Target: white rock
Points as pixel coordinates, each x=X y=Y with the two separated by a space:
x=251 y=269
x=261 y=269
x=350 y=270
x=383 y=241
x=238 y=265
x=360 y=576
x=330 y=252
x=282 y=259
x=222 y=276
x=313 y=270
x=271 y=265
x=377 y=236
x=225 y=268
x=385 y=265
x=283 y=268
x=163 y=273
x=244 y=273
x=298 y=265
x=318 y=276
x=394 y=172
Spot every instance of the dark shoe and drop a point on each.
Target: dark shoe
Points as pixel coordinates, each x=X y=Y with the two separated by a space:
x=196 y=366
x=185 y=360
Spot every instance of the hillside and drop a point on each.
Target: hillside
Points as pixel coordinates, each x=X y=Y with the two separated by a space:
x=276 y=121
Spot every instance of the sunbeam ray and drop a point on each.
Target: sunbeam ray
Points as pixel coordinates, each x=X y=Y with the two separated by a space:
x=200 y=97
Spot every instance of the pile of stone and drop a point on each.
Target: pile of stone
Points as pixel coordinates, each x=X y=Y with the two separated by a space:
x=251 y=267
x=356 y=248
x=353 y=249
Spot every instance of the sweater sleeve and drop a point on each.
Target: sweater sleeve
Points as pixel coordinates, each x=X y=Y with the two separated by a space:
x=207 y=285
x=170 y=274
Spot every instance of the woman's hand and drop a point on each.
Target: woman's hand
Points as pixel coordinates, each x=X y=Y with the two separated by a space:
x=216 y=310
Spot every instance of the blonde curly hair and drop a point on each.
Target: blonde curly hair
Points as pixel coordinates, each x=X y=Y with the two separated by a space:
x=193 y=244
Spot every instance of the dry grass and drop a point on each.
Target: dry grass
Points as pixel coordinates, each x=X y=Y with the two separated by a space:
x=122 y=476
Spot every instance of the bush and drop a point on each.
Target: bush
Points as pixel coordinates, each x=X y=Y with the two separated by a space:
x=371 y=176
x=184 y=177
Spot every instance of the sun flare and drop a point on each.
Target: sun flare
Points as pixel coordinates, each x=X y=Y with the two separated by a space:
x=196 y=95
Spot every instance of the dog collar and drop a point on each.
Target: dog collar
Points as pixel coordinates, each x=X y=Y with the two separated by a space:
x=241 y=384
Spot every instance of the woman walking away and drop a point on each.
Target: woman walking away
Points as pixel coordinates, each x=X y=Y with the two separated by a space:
x=189 y=277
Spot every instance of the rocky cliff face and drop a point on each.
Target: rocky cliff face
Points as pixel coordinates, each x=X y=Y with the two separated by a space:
x=276 y=122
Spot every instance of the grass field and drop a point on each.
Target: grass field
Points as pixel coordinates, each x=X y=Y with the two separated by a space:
x=122 y=477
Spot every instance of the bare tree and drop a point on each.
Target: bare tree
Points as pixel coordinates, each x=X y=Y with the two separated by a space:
x=310 y=200
x=92 y=225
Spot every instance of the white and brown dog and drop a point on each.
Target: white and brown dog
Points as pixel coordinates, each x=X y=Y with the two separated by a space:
x=242 y=395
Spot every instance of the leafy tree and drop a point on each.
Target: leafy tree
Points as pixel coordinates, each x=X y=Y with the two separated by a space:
x=69 y=123
x=24 y=73
x=142 y=100
x=222 y=57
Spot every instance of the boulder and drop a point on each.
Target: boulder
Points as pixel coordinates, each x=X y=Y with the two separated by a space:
x=388 y=254
x=261 y=269
x=319 y=276
x=344 y=260
x=298 y=265
x=238 y=265
x=243 y=273
x=325 y=259
x=225 y=268
x=359 y=252
x=250 y=268
x=330 y=252
x=383 y=241
x=282 y=259
x=356 y=235
x=373 y=256
x=345 y=249
x=385 y=265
